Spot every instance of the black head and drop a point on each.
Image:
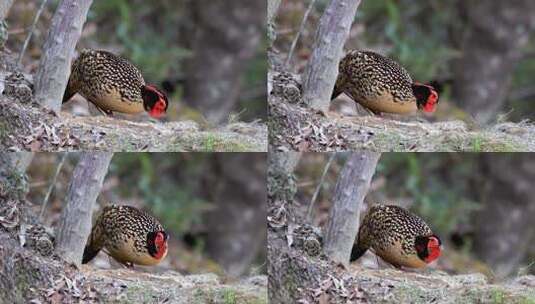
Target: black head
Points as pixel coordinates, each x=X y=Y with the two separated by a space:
x=157 y=243
x=428 y=247
x=426 y=97
x=154 y=101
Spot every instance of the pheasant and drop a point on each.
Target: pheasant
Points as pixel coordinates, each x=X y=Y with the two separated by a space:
x=397 y=236
x=381 y=85
x=128 y=235
x=113 y=84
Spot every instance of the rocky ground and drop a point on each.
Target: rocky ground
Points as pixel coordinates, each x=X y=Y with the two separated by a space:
x=294 y=127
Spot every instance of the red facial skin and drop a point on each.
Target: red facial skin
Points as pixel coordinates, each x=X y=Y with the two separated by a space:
x=158 y=110
x=433 y=247
x=432 y=97
x=160 y=107
x=161 y=245
x=432 y=100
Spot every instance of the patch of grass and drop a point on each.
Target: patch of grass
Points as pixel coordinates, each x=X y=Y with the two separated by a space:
x=476 y=144
x=497 y=296
x=412 y=294
x=229 y=296
x=212 y=142
x=388 y=142
x=483 y=144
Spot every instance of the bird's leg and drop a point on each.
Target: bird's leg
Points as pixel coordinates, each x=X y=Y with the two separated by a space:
x=129 y=265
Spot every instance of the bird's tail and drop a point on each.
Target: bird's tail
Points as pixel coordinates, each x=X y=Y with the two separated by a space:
x=337 y=90
x=89 y=254
x=69 y=93
x=91 y=249
x=356 y=252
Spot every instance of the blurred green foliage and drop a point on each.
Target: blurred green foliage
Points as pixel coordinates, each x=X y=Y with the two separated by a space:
x=147 y=30
x=425 y=36
x=151 y=35
x=439 y=184
x=166 y=183
x=255 y=85
x=416 y=34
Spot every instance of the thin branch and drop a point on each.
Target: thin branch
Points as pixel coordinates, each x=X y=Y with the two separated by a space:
x=315 y=196
x=301 y=29
x=32 y=28
x=52 y=185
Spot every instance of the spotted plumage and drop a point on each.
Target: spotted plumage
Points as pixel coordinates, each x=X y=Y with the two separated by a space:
x=382 y=85
x=127 y=234
x=113 y=84
x=397 y=236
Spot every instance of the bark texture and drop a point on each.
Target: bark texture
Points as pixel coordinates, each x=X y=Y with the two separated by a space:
x=280 y=174
x=223 y=36
x=236 y=236
x=322 y=67
x=272 y=9
x=5 y=5
x=13 y=172
x=11 y=162
x=492 y=45
x=504 y=225
x=75 y=221
x=351 y=188
x=58 y=50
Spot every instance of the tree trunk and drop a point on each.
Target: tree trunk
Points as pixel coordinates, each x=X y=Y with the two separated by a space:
x=351 y=188
x=496 y=33
x=272 y=9
x=12 y=171
x=58 y=50
x=11 y=163
x=5 y=5
x=235 y=238
x=281 y=181
x=75 y=221
x=502 y=227
x=322 y=67
x=223 y=36
x=281 y=191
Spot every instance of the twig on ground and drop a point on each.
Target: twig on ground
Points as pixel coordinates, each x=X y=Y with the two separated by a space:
x=32 y=28
x=52 y=185
x=315 y=196
x=301 y=28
